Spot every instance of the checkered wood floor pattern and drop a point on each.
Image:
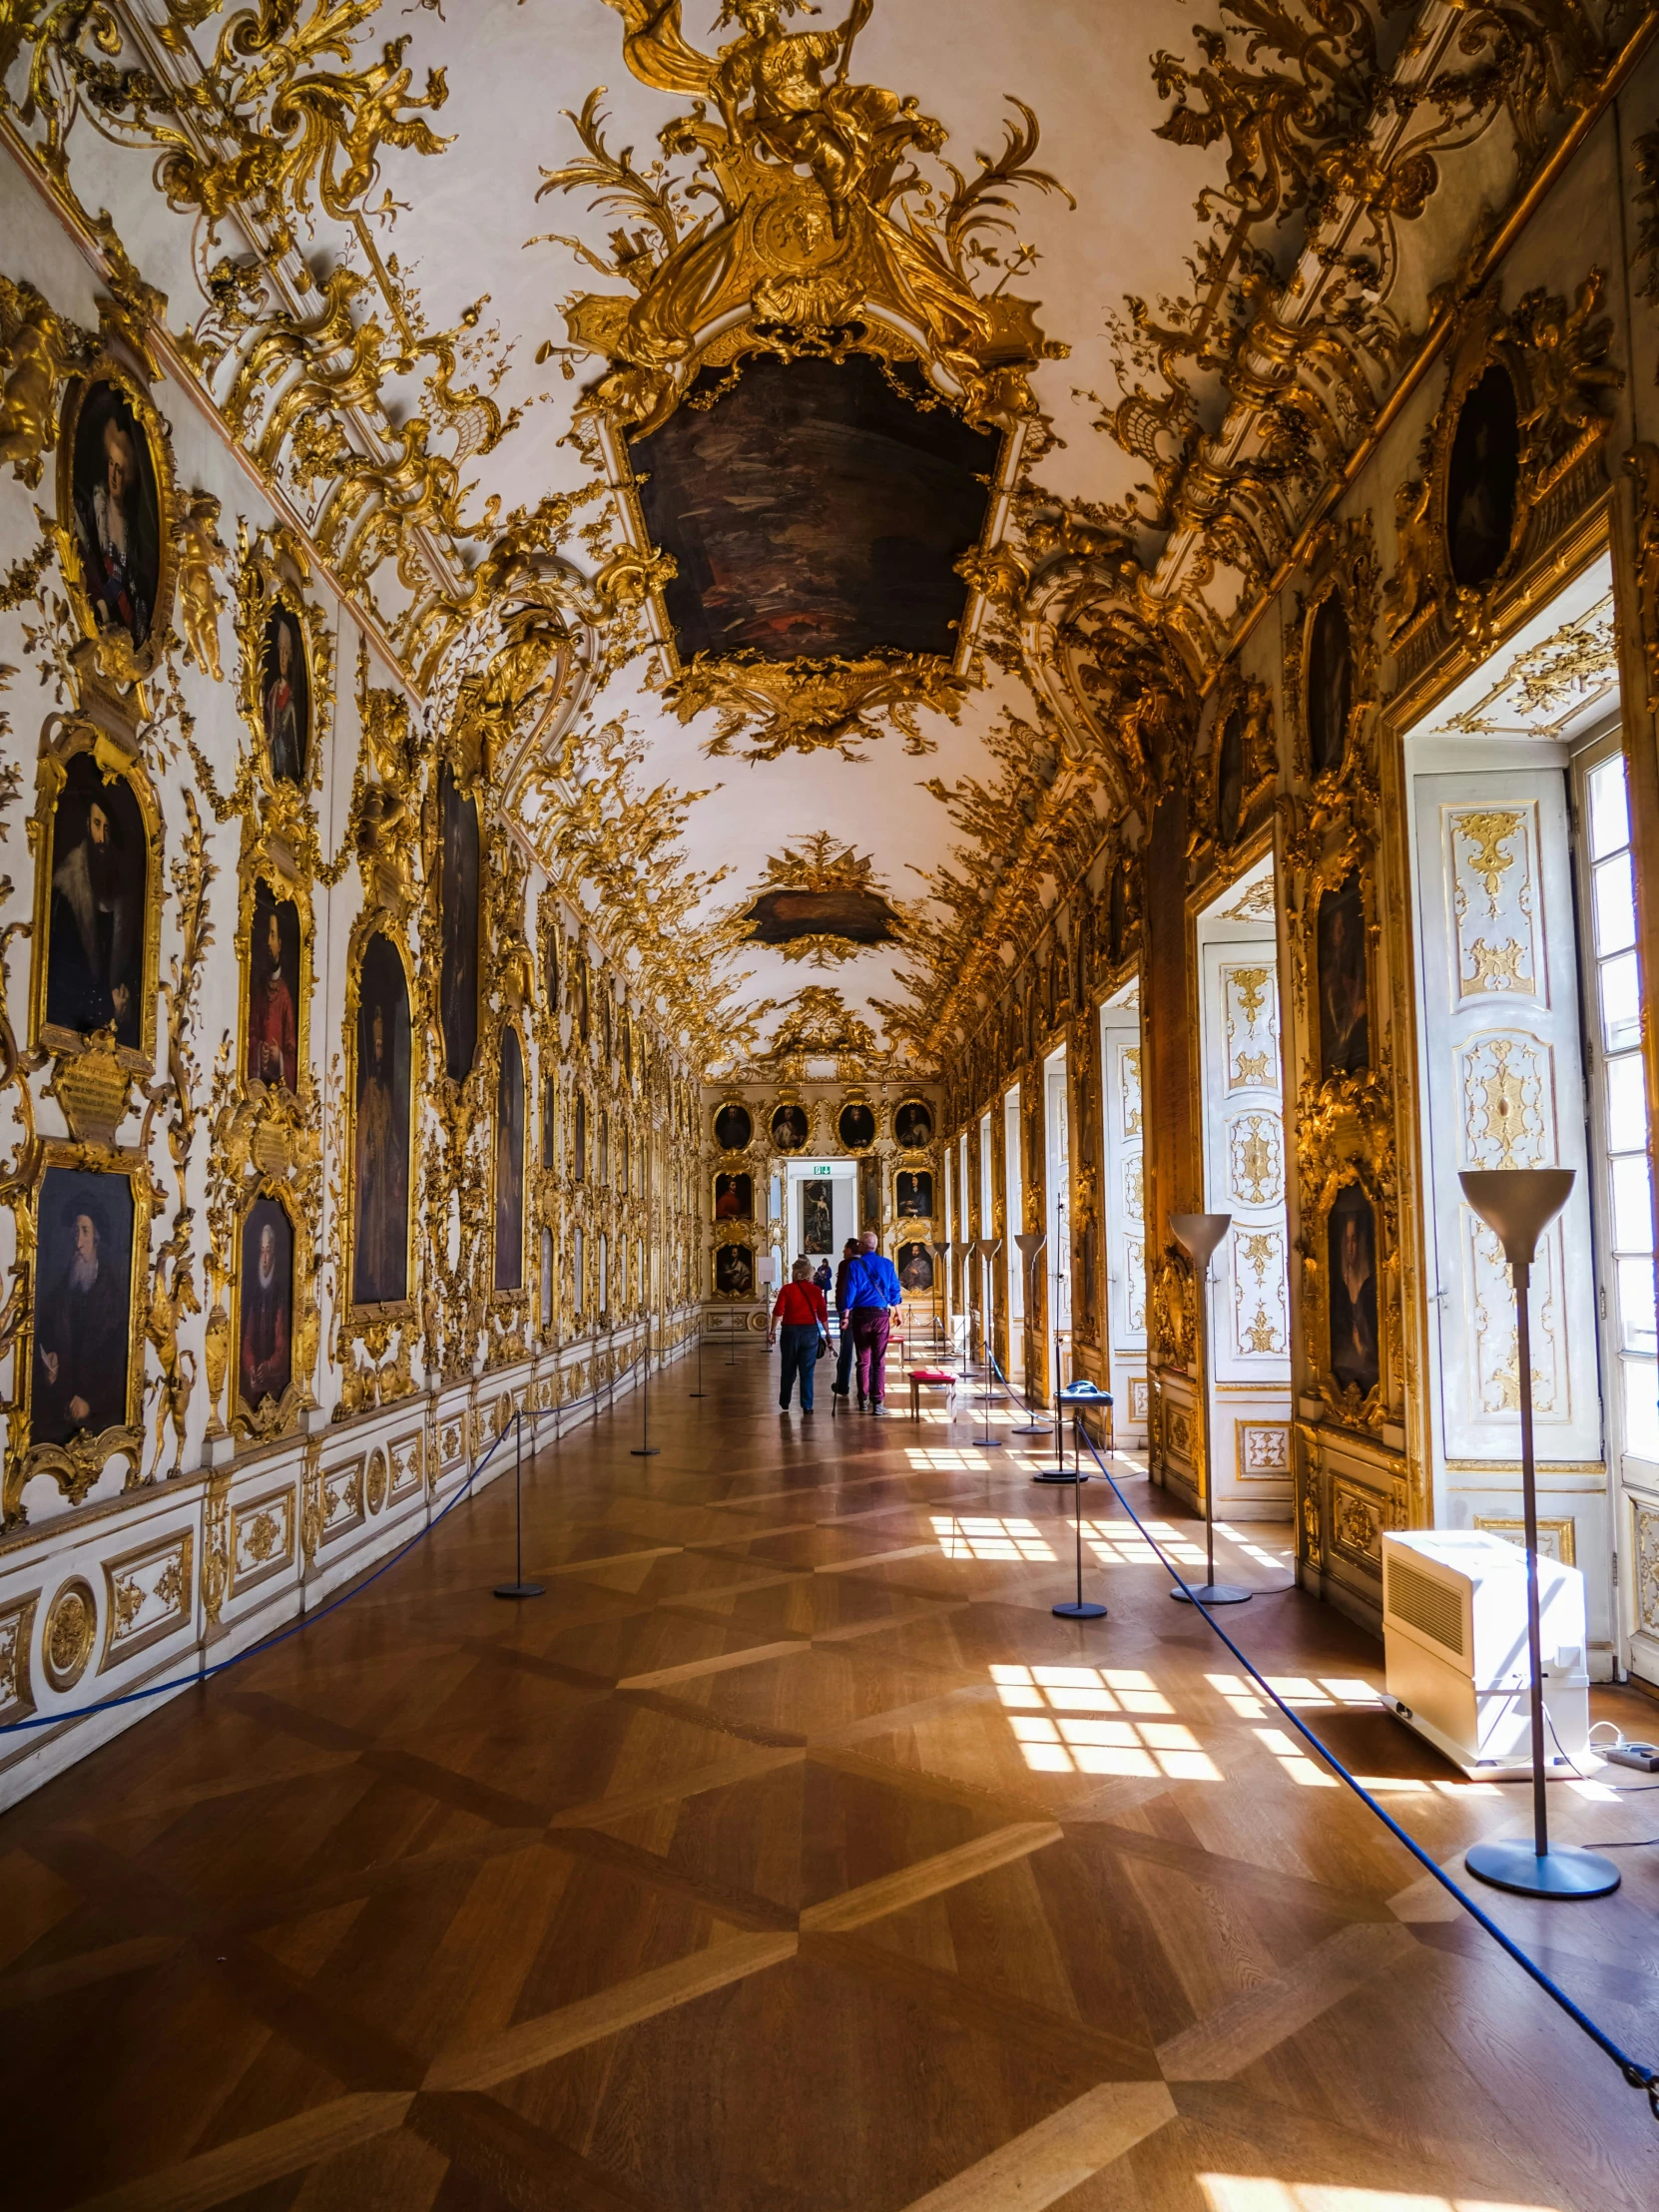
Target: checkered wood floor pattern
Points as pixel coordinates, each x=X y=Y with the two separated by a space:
x=788 y=1853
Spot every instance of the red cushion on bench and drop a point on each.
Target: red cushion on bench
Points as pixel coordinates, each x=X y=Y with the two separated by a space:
x=932 y=1375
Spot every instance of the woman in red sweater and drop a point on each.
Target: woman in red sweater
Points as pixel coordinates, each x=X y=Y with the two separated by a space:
x=805 y=1320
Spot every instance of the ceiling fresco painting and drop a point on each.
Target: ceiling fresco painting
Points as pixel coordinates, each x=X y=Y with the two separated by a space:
x=872 y=445
x=814 y=509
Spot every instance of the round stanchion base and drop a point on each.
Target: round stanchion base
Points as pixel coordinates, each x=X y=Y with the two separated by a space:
x=1083 y=1613
x=1058 y=1475
x=1516 y=1867
x=644 y=1451
x=1213 y=1594
x=1033 y=1428
x=519 y=1590
x=697 y=1394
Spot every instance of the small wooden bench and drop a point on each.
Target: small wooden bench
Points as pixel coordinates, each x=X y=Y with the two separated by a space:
x=930 y=1378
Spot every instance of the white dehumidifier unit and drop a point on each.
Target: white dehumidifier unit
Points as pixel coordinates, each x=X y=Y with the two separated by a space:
x=1454 y=1643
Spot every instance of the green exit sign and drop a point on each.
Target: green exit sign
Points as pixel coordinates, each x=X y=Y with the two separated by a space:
x=825 y=1169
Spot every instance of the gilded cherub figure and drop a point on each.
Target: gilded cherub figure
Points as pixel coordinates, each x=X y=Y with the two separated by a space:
x=200 y=551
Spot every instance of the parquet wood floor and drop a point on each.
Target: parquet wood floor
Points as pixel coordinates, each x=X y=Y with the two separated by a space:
x=790 y=1854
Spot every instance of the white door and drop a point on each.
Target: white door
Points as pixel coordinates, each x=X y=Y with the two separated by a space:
x=1057 y=1257
x=1123 y=1219
x=1505 y=1089
x=1243 y=1175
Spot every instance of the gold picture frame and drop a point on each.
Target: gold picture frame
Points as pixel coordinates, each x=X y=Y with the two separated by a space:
x=372 y=1322
x=267 y=861
x=115 y=656
x=74 y=738
x=272 y=1416
x=76 y=1465
x=516 y=1294
x=262 y=588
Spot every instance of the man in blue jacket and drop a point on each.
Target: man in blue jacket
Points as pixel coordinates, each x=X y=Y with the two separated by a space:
x=872 y=1298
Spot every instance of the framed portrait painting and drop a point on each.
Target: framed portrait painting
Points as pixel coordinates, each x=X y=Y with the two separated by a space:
x=265 y=1307
x=272 y=1022
x=81 y=1363
x=789 y=1128
x=734 y=1197
x=112 y=500
x=1343 y=985
x=458 y=926
x=1329 y=700
x=382 y=1100
x=734 y=1127
x=855 y=1126
x=913 y=1195
x=509 y=1164
x=94 y=895
x=915 y=1270
x=1483 y=481
x=734 y=1271
x=285 y=696
x=913 y=1124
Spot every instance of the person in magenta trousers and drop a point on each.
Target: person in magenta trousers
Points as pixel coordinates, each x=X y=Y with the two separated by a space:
x=873 y=1302
x=805 y=1320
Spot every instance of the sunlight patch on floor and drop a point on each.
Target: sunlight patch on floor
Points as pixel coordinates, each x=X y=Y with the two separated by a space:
x=1257 y=2193
x=946 y=1459
x=1098 y=1720
x=987 y=1536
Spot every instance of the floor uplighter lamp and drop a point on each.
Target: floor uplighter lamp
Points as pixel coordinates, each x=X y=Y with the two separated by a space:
x=941 y=1256
x=1059 y=1472
x=987 y=1249
x=1198 y=1236
x=1518 y=1205
x=1030 y=1243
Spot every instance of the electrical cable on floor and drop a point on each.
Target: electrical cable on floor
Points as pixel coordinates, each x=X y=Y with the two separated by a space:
x=281 y=1635
x=1645 y=2078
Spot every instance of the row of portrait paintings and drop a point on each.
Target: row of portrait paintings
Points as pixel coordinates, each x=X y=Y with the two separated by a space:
x=855 y=1126
x=734 y=1273
x=735 y=1201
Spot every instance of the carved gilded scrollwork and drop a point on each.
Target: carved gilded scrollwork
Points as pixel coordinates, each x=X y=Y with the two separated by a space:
x=1342 y=568
x=1542 y=375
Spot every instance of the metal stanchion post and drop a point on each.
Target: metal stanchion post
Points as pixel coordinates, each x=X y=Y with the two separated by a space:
x=987 y=1249
x=1198 y=1236
x=1059 y=1472
x=645 y=1448
x=1518 y=1204
x=518 y=1587
x=1079 y=1610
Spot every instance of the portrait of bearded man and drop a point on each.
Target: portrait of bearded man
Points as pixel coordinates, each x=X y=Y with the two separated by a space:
x=265 y=1360
x=95 y=931
x=82 y=1305
x=116 y=516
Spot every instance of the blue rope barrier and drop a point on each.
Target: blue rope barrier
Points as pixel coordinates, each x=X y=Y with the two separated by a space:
x=281 y=1635
x=1635 y=2073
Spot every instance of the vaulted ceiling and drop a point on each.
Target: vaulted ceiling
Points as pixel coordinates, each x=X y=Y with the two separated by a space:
x=405 y=272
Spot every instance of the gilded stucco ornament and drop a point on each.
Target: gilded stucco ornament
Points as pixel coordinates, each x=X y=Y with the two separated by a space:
x=825 y=239
x=1555 y=359
x=38 y=350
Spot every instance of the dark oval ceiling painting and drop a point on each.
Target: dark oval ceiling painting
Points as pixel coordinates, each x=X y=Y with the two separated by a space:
x=814 y=509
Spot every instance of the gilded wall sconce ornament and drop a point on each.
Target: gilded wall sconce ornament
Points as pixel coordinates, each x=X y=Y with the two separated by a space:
x=1509 y=459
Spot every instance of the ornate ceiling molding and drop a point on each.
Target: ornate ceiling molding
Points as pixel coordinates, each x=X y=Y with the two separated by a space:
x=826 y=236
